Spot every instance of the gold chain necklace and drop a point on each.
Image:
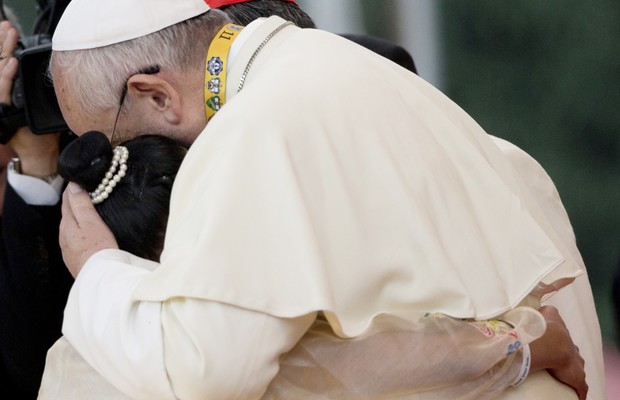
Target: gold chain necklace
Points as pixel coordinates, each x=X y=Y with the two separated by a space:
x=258 y=49
x=217 y=66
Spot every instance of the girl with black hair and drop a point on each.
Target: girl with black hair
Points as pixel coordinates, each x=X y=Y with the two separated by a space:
x=135 y=206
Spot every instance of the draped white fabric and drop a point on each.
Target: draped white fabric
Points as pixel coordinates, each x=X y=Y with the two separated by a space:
x=363 y=202
x=358 y=200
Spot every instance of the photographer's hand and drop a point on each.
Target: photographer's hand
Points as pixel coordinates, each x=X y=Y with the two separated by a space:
x=38 y=153
x=8 y=69
x=8 y=64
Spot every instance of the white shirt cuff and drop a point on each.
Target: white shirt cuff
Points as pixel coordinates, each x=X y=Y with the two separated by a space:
x=35 y=191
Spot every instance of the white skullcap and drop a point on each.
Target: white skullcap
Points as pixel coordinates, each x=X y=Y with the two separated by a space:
x=88 y=24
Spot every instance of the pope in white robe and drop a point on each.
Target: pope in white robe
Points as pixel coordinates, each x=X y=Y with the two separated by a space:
x=337 y=184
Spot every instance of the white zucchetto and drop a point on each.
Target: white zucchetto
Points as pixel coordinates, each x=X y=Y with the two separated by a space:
x=88 y=24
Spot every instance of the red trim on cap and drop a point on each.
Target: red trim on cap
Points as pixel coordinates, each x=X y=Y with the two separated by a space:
x=222 y=3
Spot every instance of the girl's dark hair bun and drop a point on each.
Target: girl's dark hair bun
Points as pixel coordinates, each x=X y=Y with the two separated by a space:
x=86 y=160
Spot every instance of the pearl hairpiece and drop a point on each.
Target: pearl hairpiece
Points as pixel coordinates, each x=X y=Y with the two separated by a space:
x=111 y=178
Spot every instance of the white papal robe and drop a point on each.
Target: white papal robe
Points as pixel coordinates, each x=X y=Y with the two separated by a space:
x=68 y=375
x=342 y=184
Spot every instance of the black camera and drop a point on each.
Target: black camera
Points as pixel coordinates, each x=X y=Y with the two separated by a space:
x=33 y=97
x=32 y=90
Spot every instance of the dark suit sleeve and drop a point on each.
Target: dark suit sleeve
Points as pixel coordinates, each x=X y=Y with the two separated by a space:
x=385 y=48
x=615 y=299
x=34 y=285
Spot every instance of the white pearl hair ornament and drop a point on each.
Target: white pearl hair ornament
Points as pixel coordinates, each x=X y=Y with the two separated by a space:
x=112 y=177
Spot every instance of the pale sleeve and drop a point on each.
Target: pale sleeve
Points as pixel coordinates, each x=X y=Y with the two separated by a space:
x=181 y=348
x=215 y=351
x=437 y=358
x=120 y=338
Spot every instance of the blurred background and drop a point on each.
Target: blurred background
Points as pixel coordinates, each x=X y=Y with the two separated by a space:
x=544 y=75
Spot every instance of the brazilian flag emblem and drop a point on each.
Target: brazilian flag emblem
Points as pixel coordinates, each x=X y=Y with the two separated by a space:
x=214 y=103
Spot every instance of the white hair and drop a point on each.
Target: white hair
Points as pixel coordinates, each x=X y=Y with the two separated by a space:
x=95 y=78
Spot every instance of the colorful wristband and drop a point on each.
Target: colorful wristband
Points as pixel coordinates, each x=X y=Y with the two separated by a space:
x=525 y=366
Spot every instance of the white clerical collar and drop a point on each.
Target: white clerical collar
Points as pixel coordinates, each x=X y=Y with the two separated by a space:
x=243 y=36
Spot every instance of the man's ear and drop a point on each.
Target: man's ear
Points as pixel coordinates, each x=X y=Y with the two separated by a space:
x=152 y=93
